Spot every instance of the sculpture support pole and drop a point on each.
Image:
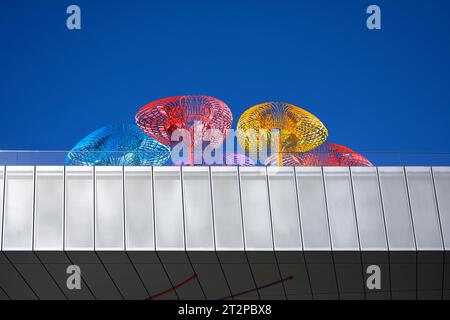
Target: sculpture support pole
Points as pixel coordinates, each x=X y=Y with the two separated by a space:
x=191 y=146
x=280 y=155
x=191 y=153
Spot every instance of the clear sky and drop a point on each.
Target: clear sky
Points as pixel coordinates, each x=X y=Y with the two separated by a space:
x=386 y=90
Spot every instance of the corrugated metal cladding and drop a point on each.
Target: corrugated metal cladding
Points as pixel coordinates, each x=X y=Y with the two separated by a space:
x=224 y=208
x=224 y=232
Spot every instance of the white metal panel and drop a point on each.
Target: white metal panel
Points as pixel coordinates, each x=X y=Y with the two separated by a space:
x=313 y=209
x=2 y=188
x=49 y=209
x=284 y=208
x=18 y=215
x=255 y=209
x=369 y=211
x=169 y=224
x=397 y=213
x=423 y=207
x=442 y=184
x=139 y=224
x=198 y=209
x=227 y=209
x=79 y=222
x=109 y=215
x=341 y=211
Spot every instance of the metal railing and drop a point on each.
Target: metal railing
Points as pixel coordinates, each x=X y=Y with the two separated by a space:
x=57 y=158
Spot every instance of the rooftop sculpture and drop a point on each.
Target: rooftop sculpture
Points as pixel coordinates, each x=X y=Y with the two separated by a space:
x=298 y=130
x=122 y=145
x=203 y=117
x=224 y=159
x=327 y=154
x=293 y=137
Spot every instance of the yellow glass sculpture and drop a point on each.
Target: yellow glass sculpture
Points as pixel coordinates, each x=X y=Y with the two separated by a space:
x=297 y=129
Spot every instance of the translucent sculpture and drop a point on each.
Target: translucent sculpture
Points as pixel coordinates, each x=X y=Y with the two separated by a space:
x=202 y=117
x=297 y=129
x=237 y=159
x=327 y=154
x=122 y=145
x=224 y=159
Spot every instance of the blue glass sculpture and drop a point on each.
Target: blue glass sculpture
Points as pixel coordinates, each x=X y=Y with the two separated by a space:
x=118 y=145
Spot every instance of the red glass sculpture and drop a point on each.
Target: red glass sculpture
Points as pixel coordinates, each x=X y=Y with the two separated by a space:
x=203 y=118
x=327 y=155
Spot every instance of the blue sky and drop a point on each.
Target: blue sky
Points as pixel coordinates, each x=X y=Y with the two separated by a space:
x=386 y=90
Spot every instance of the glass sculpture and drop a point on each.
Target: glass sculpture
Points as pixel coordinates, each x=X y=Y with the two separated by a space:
x=202 y=117
x=327 y=154
x=122 y=145
x=297 y=129
x=224 y=159
x=237 y=159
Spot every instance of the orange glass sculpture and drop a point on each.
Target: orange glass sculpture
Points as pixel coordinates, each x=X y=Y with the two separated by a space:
x=327 y=155
x=202 y=117
x=297 y=129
